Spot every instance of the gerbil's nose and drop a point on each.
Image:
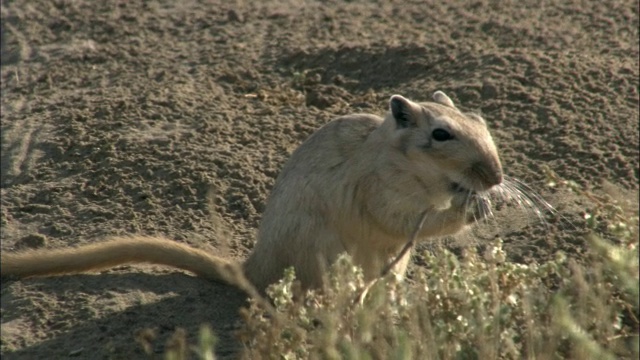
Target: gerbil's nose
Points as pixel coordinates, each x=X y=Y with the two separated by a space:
x=490 y=174
x=497 y=177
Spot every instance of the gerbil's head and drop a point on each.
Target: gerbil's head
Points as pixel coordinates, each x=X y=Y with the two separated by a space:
x=444 y=145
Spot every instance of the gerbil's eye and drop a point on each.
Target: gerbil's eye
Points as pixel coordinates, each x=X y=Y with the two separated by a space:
x=441 y=135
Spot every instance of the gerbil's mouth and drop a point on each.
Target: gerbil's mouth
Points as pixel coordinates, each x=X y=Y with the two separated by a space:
x=457 y=188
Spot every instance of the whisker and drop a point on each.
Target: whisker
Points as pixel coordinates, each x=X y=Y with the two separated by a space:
x=526 y=198
x=513 y=190
x=468 y=204
x=486 y=208
x=480 y=206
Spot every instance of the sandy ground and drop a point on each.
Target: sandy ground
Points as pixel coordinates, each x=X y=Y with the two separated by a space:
x=123 y=117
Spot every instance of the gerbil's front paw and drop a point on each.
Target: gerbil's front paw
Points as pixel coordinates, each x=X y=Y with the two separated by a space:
x=478 y=209
x=472 y=207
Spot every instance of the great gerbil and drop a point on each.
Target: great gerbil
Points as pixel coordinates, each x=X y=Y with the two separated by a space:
x=359 y=184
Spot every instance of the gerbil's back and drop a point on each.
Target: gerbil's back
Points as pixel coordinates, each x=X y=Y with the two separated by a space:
x=328 y=147
x=318 y=161
x=316 y=165
x=300 y=203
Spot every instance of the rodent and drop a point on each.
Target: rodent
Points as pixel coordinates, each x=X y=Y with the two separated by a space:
x=359 y=185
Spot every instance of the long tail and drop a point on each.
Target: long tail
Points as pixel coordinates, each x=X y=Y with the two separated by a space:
x=118 y=251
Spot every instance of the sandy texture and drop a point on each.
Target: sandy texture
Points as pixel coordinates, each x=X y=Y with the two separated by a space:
x=124 y=117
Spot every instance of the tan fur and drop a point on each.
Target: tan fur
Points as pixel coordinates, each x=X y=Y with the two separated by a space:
x=357 y=185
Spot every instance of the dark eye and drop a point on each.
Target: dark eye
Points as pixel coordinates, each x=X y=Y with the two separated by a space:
x=441 y=135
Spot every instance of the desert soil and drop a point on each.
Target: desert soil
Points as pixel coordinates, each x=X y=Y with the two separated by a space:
x=149 y=117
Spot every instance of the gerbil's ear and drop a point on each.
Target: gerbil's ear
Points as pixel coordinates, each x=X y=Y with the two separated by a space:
x=442 y=99
x=403 y=111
